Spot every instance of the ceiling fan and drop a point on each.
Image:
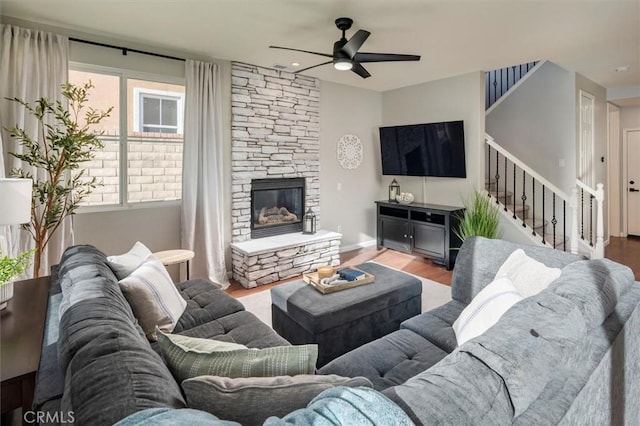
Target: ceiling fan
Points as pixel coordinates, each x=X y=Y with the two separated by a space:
x=345 y=52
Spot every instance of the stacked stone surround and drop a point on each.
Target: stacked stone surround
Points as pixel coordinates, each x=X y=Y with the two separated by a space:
x=266 y=260
x=275 y=133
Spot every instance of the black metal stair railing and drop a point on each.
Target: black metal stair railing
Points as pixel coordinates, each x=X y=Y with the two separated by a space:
x=498 y=82
x=535 y=201
x=530 y=201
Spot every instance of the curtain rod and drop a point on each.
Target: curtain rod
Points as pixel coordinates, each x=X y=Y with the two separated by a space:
x=126 y=49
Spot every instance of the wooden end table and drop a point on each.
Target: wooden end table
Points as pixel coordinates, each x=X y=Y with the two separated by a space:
x=172 y=257
x=21 y=333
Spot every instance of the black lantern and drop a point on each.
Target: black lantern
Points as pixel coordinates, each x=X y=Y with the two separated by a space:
x=309 y=222
x=394 y=191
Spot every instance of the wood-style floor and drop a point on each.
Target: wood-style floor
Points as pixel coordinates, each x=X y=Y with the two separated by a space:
x=621 y=250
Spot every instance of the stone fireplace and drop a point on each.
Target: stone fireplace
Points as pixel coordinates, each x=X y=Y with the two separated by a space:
x=277 y=206
x=275 y=133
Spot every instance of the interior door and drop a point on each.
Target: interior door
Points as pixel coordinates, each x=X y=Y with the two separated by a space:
x=633 y=183
x=586 y=171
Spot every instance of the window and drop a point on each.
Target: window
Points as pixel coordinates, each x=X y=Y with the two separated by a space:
x=144 y=163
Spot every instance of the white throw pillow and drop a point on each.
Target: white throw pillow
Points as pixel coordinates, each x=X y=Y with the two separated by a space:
x=125 y=264
x=485 y=309
x=528 y=275
x=154 y=299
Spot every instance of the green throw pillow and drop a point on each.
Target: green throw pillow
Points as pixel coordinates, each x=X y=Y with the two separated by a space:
x=186 y=362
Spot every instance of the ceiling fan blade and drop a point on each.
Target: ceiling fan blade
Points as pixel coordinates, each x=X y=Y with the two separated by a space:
x=384 y=57
x=359 y=69
x=308 y=68
x=303 y=51
x=355 y=43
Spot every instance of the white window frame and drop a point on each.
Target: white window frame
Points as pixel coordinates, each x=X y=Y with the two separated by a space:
x=141 y=92
x=124 y=75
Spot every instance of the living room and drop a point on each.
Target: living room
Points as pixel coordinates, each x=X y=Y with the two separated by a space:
x=396 y=94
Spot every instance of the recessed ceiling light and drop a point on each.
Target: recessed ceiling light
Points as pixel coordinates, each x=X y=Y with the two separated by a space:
x=623 y=69
x=295 y=64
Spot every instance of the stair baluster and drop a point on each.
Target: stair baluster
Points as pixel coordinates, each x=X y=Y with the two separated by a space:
x=554 y=221
x=497 y=177
x=505 y=184
x=533 y=223
x=524 y=198
x=514 y=191
x=591 y=220
x=543 y=215
x=564 y=224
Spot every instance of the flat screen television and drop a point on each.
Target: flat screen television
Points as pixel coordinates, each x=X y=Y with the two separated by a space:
x=432 y=149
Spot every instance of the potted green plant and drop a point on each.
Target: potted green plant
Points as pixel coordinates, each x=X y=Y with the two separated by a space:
x=10 y=268
x=481 y=218
x=65 y=141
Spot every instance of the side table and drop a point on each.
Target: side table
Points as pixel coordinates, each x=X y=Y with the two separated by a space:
x=21 y=333
x=172 y=257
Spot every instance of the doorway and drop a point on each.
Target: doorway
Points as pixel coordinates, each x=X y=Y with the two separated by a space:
x=631 y=183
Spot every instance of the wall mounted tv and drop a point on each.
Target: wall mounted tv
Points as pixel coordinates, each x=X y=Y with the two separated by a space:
x=433 y=149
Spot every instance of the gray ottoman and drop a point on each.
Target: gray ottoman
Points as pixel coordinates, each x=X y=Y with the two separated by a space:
x=341 y=321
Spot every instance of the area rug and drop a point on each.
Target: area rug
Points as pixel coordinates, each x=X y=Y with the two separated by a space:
x=433 y=295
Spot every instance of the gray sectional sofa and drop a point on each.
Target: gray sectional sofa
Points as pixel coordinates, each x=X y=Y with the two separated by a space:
x=569 y=355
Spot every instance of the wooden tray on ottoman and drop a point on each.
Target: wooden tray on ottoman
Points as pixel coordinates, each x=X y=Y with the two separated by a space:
x=312 y=279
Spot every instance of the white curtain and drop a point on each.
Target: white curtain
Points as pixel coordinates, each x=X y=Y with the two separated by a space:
x=202 y=218
x=33 y=64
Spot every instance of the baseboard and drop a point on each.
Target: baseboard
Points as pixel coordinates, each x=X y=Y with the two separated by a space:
x=357 y=246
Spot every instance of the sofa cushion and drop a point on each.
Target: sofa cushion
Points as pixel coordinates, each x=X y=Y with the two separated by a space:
x=480 y=258
x=115 y=375
x=241 y=327
x=153 y=297
x=124 y=264
x=388 y=361
x=459 y=390
x=346 y=406
x=528 y=276
x=486 y=309
x=436 y=325
x=595 y=287
x=249 y=401
x=205 y=303
x=186 y=362
x=529 y=345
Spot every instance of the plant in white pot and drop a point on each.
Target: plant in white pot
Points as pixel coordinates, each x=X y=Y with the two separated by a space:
x=10 y=268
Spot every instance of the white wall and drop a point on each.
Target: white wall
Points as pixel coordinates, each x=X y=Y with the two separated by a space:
x=351 y=209
x=536 y=124
x=455 y=98
x=630 y=117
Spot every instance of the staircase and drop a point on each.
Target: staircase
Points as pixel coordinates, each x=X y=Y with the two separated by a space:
x=499 y=82
x=543 y=213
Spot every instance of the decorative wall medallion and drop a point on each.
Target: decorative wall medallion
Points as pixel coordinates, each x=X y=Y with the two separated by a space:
x=350 y=151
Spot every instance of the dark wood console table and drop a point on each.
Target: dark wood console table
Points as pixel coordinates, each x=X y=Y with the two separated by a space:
x=21 y=333
x=424 y=229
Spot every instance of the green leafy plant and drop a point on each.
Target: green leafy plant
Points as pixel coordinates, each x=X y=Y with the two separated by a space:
x=59 y=151
x=11 y=267
x=480 y=218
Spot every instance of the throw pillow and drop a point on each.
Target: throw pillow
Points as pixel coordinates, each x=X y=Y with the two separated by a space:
x=186 y=363
x=123 y=265
x=250 y=401
x=528 y=275
x=154 y=299
x=485 y=309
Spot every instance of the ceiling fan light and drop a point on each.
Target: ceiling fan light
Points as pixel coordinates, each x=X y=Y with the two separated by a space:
x=343 y=64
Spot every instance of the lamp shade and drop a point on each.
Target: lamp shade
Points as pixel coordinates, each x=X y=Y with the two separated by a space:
x=15 y=201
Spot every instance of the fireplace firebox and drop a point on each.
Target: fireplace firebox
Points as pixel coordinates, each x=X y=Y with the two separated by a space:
x=277 y=206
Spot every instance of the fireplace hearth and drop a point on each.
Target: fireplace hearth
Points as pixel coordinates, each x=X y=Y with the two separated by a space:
x=277 y=206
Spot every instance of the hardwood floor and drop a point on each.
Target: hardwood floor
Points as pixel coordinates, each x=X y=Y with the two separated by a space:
x=621 y=250
x=625 y=251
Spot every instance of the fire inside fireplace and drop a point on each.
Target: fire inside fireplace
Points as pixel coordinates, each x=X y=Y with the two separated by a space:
x=277 y=206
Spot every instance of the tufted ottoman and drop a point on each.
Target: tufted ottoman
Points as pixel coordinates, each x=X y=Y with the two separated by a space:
x=341 y=321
